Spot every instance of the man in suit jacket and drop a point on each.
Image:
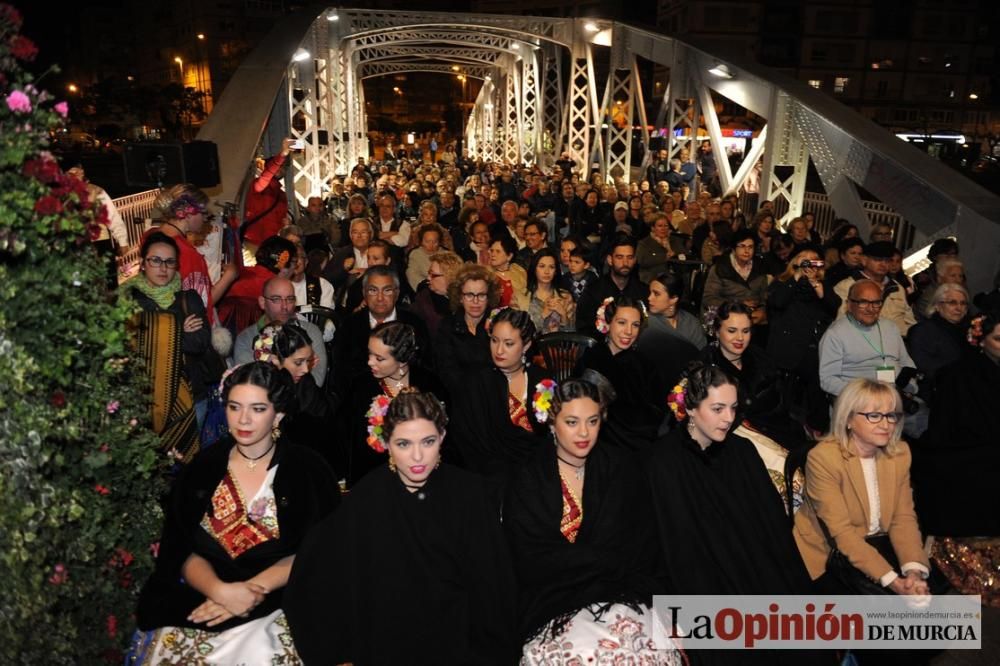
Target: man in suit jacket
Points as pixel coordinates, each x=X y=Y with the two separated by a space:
x=380 y=286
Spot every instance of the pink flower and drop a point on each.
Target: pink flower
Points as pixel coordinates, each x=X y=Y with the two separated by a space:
x=62 y=108
x=113 y=406
x=59 y=575
x=154 y=549
x=18 y=102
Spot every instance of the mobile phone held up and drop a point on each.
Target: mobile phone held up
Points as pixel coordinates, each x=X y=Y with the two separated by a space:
x=298 y=144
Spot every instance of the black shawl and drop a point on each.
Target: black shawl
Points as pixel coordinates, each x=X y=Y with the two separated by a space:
x=488 y=442
x=615 y=553
x=305 y=490
x=396 y=577
x=310 y=420
x=724 y=531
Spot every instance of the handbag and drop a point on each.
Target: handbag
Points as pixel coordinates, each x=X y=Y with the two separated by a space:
x=848 y=576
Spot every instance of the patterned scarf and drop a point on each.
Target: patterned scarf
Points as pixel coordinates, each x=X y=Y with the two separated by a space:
x=163 y=296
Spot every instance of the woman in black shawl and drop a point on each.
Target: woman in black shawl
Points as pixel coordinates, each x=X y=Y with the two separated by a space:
x=236 y=518
x=636 y=415
x=413 y=568
x=722 y=528
x=494 y=424
x=582 y=537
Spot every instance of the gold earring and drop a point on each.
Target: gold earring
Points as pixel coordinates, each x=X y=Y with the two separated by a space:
x=392 y=465
x=275 y=432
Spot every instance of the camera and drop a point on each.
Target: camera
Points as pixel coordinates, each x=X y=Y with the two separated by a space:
x=812 y=263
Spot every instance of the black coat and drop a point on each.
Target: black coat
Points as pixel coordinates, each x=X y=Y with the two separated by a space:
x=310 y=422
x=458 y=353
x=955 y=462
x=305 y=490
x=935 y=343
x=798 y=318
x=395 y=577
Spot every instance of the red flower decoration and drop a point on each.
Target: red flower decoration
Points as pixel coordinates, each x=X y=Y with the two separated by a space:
x=112 y=626
x=59 y=573
x=58 y=399
x=23 y=48
x=11 y=16
x=103 y=490
x=48 y=205
x=42 y=169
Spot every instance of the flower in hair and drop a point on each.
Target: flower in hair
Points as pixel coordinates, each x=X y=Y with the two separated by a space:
x=282 y=259
x=491 y=317
x=263 y=345
x=677 y=400
x=601 y=321
x=975 y=333
x=541 y=402
x=225 y=376
x=376 y=422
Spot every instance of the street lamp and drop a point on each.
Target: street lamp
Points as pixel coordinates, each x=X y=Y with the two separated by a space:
x=72 y=88
x=180 y=66
x=201 y=36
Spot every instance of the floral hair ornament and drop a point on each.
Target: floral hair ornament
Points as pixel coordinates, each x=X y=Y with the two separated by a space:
x=263 y=344
x=225 y=376
x=541 y=402
x=975 y=333
x=185 y=206
x=677 y=400
x=282 y=260
x=376 y=422
x=491 y=317
x=601 y=321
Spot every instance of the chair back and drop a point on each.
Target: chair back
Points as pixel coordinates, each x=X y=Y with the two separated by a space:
x=317 y=314
x=562 y=351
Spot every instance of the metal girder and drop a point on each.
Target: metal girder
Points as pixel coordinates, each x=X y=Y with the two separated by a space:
x=530 y=103
x=367 y=21
x=472 y=55
x=373 y=69
x=682 y=107
x=553 y=132
x=784 y=147
x=619 y=102
x=715 y=134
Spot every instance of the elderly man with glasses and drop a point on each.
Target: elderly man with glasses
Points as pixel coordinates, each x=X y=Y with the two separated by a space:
x=875 y=267
x=380 y=287
x=863 y=343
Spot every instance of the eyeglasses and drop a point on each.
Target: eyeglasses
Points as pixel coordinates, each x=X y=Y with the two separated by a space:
x=278 y=300
x=157 y=262
x=867 y=304
x=471 y=297
x=961 y=303
x=385 y=291
x=876 y=417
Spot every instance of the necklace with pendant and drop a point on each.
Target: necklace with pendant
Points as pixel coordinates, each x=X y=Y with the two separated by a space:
x=252 y=462
x=578 y=470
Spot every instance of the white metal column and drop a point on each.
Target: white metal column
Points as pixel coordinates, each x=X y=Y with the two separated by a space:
x=784 y=148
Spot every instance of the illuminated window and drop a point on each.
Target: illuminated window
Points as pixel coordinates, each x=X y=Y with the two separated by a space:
x=816 y=83
x=840 y=83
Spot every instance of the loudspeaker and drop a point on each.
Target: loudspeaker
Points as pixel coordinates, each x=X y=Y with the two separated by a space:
x=159 y=164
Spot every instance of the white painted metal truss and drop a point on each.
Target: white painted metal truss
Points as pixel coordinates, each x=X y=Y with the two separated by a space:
x=542 y=95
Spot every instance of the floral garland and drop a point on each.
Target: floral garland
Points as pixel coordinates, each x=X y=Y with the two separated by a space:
x=677 y=400
x=601 y=321
x=263 y=344
x=491 y=317
x=975 y=333
x=376 y=422
x=541 y=401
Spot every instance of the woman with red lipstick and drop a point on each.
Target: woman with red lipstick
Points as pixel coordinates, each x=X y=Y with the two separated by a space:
x=635 y=417
x=493 y=421
x=581 y=533
x=722 y=528
x=393 y=365
x=413 y=569
x=234 y=523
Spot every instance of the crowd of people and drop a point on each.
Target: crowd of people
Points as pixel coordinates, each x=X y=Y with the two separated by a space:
x=376 y=465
